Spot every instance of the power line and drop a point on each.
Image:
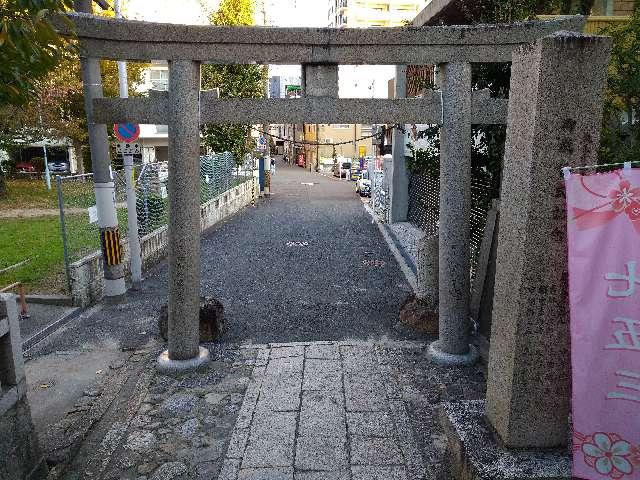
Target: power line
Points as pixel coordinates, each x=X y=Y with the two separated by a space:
x=333 y=144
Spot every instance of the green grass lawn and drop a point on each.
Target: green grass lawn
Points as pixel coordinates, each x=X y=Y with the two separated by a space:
x=25 y=194
x=36 y=239
x=39 y=239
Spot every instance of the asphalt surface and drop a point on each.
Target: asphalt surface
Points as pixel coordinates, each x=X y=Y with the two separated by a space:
x=40 y=316
x=305 y=264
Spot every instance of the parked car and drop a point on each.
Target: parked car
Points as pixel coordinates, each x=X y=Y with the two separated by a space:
x=363 y=184
x=25 y=167
x=58 y=167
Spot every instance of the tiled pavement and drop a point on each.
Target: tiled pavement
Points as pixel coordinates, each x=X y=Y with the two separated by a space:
x=330 y=411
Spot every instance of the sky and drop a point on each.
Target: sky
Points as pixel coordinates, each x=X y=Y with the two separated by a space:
x=364 y=81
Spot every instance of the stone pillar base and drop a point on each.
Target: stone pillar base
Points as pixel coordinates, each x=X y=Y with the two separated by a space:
x=166 y=365
x=440 y=357
x=474 y=453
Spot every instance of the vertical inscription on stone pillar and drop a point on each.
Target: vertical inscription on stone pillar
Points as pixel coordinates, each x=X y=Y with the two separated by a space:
x=555 y=104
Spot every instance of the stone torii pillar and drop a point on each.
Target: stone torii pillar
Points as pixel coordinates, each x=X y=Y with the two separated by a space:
x=184 y=352
x=399 y=186
x=452 y=346
x=554 y=120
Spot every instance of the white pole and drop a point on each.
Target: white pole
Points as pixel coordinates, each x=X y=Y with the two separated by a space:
x=132 y=217
x=47 y=172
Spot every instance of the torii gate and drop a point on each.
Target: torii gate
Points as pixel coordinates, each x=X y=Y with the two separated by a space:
x=184 y=107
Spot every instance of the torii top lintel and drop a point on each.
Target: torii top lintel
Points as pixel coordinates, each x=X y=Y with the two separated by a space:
x=118 y=39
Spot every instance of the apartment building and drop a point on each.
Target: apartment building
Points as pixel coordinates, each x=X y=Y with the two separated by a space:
x=154 y=138
x=372 y=13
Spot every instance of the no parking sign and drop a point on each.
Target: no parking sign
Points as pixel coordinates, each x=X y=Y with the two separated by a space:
x=126 y=132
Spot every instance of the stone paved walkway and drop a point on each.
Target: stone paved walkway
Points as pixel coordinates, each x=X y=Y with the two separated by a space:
x=323 y=411
x=296 y=411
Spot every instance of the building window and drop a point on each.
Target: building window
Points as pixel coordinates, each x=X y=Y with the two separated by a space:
x=159 y=79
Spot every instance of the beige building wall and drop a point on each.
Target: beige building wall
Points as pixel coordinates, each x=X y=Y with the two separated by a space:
x=339 y=133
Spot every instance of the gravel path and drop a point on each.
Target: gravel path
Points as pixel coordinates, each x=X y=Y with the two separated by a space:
x=305 y=264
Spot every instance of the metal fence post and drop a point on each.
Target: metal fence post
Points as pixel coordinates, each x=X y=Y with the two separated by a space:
x=63 y=231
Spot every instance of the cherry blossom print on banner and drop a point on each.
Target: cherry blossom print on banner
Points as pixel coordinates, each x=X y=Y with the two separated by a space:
x=603 y=227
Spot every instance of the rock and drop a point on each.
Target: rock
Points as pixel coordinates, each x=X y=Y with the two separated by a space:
x=189 y=429
x=214 y=398
x=415 y=315
x=145 y=468
x=178 y=405
x=212 y=322
x=169 y=471
x=141 y=442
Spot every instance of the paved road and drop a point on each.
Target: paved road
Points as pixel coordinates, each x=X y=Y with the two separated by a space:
x=336 y=281
x=299 y=266
x=305 y=264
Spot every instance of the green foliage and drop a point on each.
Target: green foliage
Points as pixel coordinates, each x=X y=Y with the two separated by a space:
x=620 y=140
x=486 y=155
x=29 y=46
x=56 y=108
x=234 y=12
x=234 y=81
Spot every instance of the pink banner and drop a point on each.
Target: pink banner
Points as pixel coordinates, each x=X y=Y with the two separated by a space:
x=603 y=218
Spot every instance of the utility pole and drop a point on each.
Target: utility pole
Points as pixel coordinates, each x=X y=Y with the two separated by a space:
x=114 y=285
x=135 y=251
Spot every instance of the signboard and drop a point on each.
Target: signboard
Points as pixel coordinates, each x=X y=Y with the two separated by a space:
x=603 y=227
x=128 y=149
x=111 y=248
x=126 y=132
x=93 y=213
x=262 y=143
x=362 y=150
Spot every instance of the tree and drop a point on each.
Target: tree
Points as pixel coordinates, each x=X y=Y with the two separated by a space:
x=234 y=81
x=56 y=110
x=29 y=46
x=621 y=129
x=488 y=148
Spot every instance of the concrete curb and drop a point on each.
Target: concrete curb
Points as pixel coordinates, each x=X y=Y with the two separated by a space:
x=61 y=300
x=412 y=265
x=402 y=263
x=35 y=339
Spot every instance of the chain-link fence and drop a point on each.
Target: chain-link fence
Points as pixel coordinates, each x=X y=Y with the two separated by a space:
x=424 y=209
x=77 y=203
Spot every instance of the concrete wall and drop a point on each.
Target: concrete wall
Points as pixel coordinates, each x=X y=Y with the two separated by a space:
x=86 y=273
